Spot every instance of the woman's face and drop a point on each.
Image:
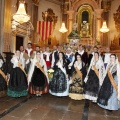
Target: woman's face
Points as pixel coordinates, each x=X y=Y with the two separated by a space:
x=78 y=58
x=96 y=56
x=17 y=53
x=112 y=58
x=38 y=55
x=60 y=56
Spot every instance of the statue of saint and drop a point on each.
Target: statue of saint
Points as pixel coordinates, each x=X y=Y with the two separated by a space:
x=74 y=36
x=84 y=29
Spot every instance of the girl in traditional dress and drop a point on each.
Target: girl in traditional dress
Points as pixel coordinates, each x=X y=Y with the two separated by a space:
x=59 y=85
x=37 y=76
x=17 y=85
x=94 y=78
x=76 y=90
x=3 y=78
x=109 y=95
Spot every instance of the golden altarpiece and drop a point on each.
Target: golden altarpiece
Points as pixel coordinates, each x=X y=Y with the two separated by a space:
x=115 y=43
x=87 y=14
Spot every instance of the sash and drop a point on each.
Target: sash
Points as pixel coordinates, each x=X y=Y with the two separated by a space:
x=20 y=66
x=39 y=66
x=78 y=72
x=96 y=71
x=3 y=74
x=25 y=55
x=112 y=81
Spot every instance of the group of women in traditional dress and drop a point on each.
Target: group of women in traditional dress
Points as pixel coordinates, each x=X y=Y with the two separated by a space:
x=99 y=83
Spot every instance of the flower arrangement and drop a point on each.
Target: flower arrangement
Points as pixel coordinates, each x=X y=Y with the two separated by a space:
x=50 y=74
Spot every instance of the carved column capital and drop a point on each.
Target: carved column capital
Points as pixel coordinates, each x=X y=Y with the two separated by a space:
x=70 y=13
x=98 y=13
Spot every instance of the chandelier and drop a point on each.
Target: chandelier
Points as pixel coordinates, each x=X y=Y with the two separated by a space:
x=63 y=29
x=21 y=16
x=104 y=28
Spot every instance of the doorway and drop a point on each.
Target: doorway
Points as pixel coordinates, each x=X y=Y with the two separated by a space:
x=19 y=42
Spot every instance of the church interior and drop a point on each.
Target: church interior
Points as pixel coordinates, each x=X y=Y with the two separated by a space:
x=48 y=23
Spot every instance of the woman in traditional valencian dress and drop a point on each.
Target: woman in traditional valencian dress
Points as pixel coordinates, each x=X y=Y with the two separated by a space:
x=3 y=78
x=94 y=78
x=17 y=85
x=109 y=95
x=76 y=89
x=37 y=76
x=59 y=85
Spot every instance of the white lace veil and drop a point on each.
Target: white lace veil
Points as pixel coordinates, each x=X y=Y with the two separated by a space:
x=118 y=77
x=31 y=69
x=101 y=69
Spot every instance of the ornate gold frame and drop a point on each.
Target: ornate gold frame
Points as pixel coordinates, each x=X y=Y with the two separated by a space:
x=79 y=17
x=50 y=16
x=116 y=17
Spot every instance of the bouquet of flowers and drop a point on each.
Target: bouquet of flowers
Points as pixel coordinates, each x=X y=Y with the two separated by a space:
x=50 y=74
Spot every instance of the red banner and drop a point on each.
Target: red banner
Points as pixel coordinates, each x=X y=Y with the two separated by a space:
x=44 y=29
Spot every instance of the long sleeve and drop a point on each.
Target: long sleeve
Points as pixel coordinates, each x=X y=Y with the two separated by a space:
x=1 y=63
x=15 y=62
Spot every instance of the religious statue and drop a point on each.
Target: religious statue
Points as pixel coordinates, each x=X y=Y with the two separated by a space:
x=84 y=29
x=74 y=36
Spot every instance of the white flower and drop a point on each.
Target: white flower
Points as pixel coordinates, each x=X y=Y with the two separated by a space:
x=50 y=70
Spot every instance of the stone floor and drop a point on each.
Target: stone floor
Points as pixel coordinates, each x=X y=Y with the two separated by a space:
x=49 y=107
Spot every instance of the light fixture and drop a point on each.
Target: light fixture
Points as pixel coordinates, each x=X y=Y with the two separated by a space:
x=21 y=16
x=104 y=28
x=63 y=29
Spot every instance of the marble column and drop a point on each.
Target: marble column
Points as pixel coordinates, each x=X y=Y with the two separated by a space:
x=98 y=18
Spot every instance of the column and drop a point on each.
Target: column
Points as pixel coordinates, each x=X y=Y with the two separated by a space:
x=70 y=20
x=35 y=18
x=7 y=25
x=98 y=13
x=13 y=43
x=1 y=24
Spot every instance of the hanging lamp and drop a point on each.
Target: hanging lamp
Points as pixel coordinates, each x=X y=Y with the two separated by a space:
x=21 y=16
